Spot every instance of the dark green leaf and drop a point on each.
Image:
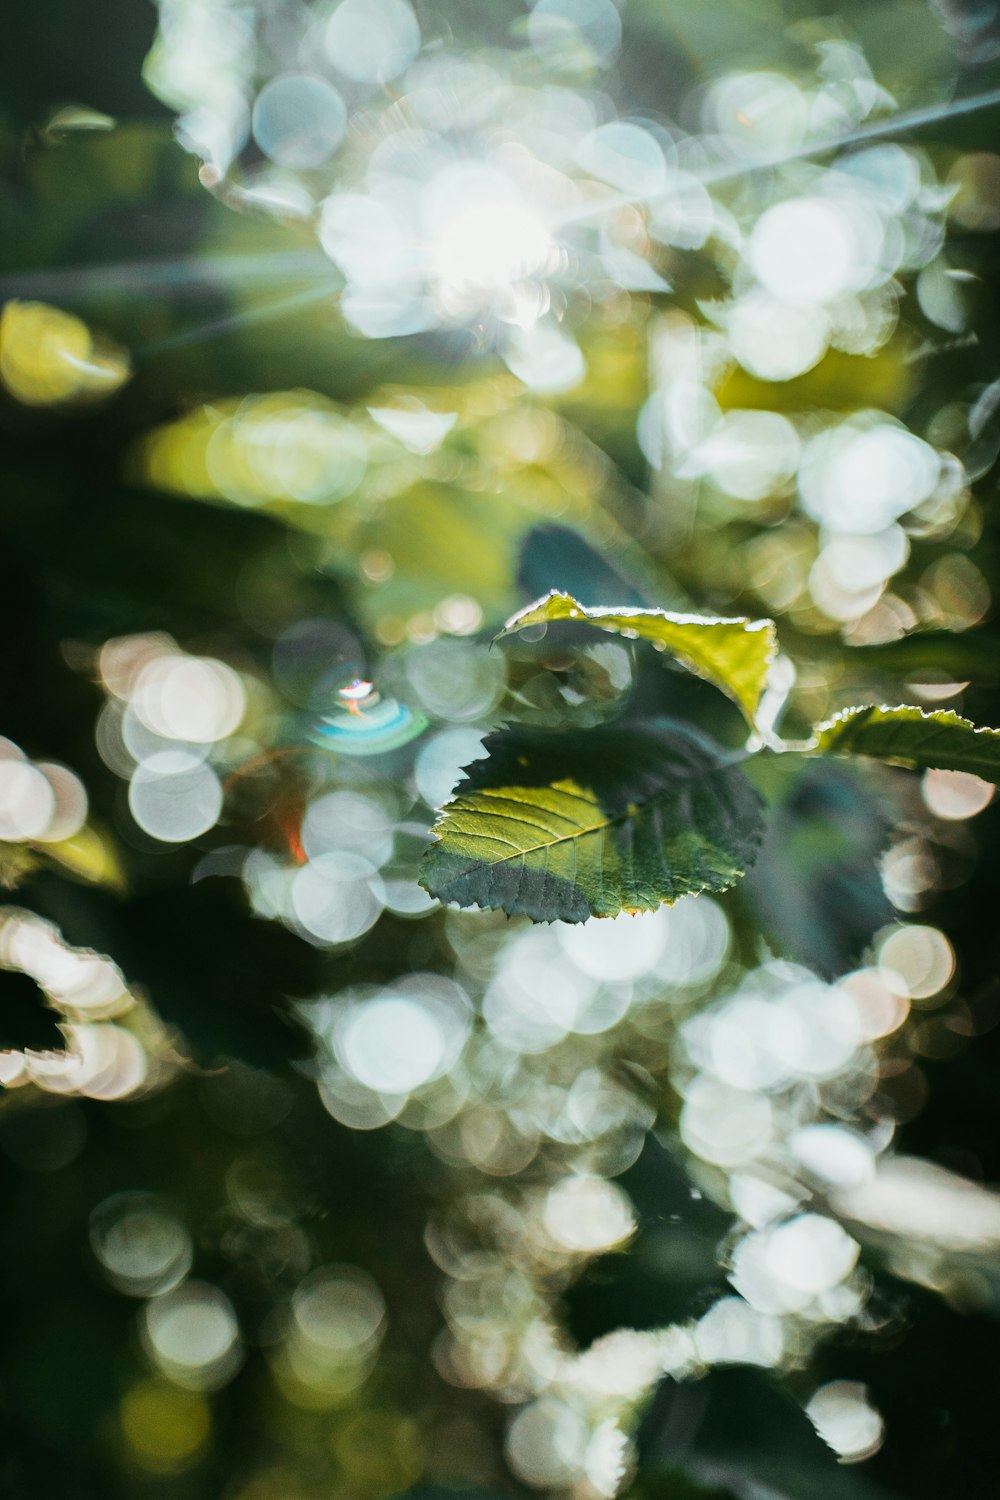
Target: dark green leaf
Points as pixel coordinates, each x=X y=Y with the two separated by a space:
x=738 y=1428
x=733 y=654
x=221 y=975
x=559 y=557
x=941 y=739
x=672 y=1261
x=965 y=655
x=816 y=888
x=675 y=1484
x=26 y=1020
x=16 y=863
x=593 y=822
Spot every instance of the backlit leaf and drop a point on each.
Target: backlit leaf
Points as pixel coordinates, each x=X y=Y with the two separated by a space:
x=89 y=855
x=593 y=822
x=941 y=739
x=734 y=654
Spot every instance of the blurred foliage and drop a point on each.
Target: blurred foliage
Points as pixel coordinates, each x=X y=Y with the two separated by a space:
x=316 y=1186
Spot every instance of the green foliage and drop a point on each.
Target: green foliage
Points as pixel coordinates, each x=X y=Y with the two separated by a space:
x=594 y=822
x=966 y=655
x=674 y=1256
x=914 y=737
x=733 y=654
x=25 y=1021
x=241 y=503
x=676 y=1484
x=739 y=1429
x=222 y=979
x=633 y=815
x=816 y=889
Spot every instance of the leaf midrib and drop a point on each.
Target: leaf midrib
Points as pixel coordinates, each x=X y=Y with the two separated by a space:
x=567 y=838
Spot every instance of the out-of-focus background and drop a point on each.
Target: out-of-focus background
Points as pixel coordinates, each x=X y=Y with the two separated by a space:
x=331 y=334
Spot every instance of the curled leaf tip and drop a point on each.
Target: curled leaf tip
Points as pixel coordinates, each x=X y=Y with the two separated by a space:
x=733 y=653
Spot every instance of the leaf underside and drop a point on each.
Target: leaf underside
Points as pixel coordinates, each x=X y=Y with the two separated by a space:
x=733 y=654
x=565 y=826
x=940 y=740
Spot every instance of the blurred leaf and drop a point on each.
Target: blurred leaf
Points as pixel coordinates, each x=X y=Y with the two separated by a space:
x=434 y=539
x=816 y=888
x=712 y=33
x=564 y=826
x=48 y=357
x=733 y=654
x=940 y=739
x=221 y=975
x=972 y=656
x=739 y=1429
x=674 y=1484
x=451 y=1491
x=441 y=540
x=16 y=861
x=88 y=855
x=557 y=553
x=840 y=382
x=924 y=1370
x=26 y=1019
x=672 y=1263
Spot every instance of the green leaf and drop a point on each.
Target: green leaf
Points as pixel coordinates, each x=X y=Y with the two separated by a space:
x=733 y=654
x=554 y=556
x=673 y=1262
x=967 y=655
x=740 y=1428
x=88 y=855
x=816 y=890
x=26 y=1017
x=17 y=861
x=941 y=739
x=222 y=976
x=565 y=826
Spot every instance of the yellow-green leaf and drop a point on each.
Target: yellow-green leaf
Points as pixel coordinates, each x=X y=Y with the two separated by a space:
x=734 y=654
x=941 y=739
x=593 y=822
x=89 y=855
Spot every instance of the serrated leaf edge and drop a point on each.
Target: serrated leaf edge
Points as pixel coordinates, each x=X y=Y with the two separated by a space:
x=939 y=717
x=438 y=837
x=926 y=716
x=594 y=613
